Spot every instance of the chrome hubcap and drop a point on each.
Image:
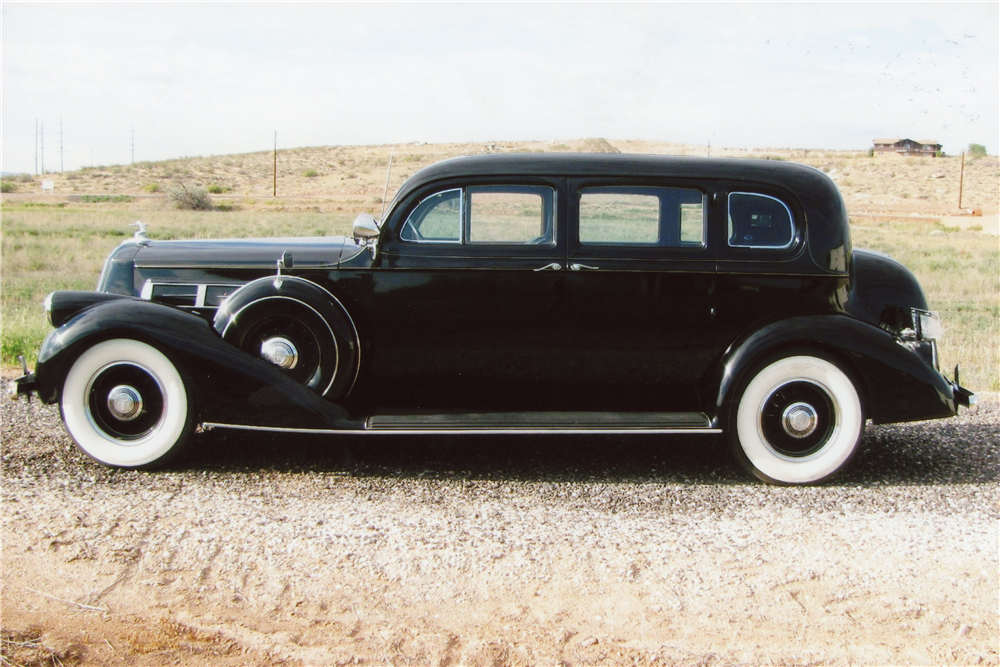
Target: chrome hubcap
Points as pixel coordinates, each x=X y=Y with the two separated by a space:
x=281 y=352
x=799 y=420
x=125 y=402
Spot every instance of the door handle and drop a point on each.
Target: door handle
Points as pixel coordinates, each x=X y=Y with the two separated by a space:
x=581 y=267
x=554 y=266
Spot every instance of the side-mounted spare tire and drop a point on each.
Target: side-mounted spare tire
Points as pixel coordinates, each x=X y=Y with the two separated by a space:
x=298 y=327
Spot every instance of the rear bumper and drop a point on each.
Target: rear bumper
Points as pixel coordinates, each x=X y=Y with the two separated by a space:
x=965 y=398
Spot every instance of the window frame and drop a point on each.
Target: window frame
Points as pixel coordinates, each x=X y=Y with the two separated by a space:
x=548 y=194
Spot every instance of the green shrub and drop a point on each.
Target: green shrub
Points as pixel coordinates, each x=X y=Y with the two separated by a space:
x=217 y=189
x=977 y=150
x=7 y=186
x=151 y=187
x=310 y=173
x=114 y=199
x=224 y=206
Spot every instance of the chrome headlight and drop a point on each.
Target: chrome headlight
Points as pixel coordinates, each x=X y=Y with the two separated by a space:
x=927 y=324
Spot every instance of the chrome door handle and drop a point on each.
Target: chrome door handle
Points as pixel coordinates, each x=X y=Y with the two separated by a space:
x=554 y=266
x=581 y=267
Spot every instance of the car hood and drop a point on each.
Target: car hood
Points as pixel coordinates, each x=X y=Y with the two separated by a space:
x=309 y=252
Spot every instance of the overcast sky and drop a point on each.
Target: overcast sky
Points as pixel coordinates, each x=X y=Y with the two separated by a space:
x=210 y=79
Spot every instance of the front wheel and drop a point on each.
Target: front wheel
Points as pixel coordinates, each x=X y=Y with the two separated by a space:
x=126 y=406
x=798 y=420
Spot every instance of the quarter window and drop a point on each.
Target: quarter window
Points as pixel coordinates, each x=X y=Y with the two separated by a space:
x=512 y=215
x=673 y=217
x=759 y=221
x=437 y=219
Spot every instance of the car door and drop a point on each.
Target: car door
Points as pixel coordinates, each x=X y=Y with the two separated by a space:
x=640 y=293
x=465 y=302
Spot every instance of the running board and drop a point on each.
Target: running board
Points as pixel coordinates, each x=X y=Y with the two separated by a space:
x=534 y=422
x=511 y=423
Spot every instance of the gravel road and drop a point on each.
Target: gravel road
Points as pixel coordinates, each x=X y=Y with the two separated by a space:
x=499 y=550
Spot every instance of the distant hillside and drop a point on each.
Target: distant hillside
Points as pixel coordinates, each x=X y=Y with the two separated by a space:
x=352 y=178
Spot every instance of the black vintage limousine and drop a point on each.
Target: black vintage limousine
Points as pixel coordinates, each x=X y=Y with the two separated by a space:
x=528 y=294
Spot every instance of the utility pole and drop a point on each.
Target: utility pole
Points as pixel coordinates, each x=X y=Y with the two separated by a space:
x=274 y=191
x=961 y=180
x=709 y=148
x=60 y=146
x=42 y=142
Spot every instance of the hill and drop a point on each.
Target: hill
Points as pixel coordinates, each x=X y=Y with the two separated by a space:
x=352 y=178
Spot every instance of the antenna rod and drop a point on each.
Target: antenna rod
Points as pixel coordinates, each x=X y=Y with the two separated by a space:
x=274 y=190
x=385 y=192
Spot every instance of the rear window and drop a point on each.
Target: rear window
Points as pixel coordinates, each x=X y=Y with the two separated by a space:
x=759 y=221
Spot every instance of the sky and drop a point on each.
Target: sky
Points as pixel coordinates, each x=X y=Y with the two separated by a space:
x=219 y=78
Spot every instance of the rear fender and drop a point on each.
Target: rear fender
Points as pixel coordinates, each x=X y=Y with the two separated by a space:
x=899 y=385
x=229 y=385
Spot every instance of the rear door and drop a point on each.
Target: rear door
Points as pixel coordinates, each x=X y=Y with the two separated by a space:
x=639 y=293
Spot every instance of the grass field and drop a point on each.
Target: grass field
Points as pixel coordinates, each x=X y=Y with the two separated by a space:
x=59 y=241
x=50 y=248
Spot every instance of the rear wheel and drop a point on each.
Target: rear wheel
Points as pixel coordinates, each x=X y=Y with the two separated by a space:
x=796 y=420
x=126 y=406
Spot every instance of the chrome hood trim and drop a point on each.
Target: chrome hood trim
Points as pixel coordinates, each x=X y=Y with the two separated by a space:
x=309 y=252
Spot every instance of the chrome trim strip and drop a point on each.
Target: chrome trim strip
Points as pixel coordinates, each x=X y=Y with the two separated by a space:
x=199 y=299
x=791 y=220
x=234 y=265
x=505 y=431
x=146 y=293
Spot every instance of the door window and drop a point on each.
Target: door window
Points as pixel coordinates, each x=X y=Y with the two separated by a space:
x=482 y=215
x=672 y=217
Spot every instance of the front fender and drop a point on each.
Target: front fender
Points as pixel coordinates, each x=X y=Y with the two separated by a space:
x=898 y=384
x=229 y=385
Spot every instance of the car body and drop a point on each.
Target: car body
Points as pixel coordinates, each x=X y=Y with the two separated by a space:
x=517 y=294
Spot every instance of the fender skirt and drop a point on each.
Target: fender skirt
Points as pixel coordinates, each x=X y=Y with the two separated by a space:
x=898 y=385
x=229 y=385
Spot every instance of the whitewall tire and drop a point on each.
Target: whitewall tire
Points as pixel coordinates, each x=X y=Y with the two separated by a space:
x=126 y=406
x=797 y=420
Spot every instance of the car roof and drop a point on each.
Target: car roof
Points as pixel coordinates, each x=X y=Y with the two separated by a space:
x=603 y=164
x=823 y=209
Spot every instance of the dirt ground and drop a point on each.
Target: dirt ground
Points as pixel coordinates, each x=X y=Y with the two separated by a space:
x=520 y=551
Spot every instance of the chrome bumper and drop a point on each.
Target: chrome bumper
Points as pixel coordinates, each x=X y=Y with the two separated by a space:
x=22 y=386
x=966 y=398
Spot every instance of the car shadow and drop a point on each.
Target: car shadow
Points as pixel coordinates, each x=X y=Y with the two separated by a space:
x=951 y=451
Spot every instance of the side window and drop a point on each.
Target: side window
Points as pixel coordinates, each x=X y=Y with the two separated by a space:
x=759 y=221
x=512 y=215
x=438 y=219
x=672 y=217
x=498 y=215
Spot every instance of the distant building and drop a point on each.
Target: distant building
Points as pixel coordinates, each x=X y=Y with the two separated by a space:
x=921 y=148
